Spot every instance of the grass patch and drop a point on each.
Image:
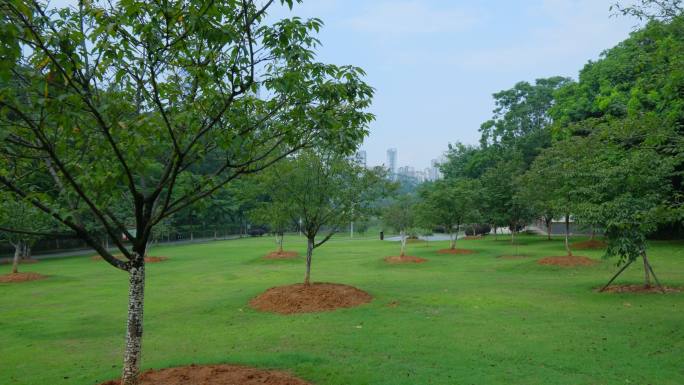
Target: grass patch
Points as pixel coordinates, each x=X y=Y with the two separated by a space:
x=472 y=319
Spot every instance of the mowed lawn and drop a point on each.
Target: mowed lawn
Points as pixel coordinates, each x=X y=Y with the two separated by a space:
x=457 y=319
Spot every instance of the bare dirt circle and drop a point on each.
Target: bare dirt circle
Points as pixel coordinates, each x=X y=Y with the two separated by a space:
x=567 y=261
x=640 y=289
x=316 y=297
x=215 y=375
x=404 y=259
x=21 y=277
x=455 y=251
x=589 y=245
x=282 y=255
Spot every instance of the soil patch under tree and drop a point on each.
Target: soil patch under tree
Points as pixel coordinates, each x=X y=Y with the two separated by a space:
x=215 y=375
x=21 y=277
x=640 y=289
x=316 y=297
x=455 y=251
x=282 y=255
x=567 y=261
x=404 y=259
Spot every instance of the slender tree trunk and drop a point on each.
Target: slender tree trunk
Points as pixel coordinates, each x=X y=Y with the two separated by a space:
x=513 y=235
x=548 y=227
x=15 y=261
x=496 y=235
x=647 y=274
x=403 y=243
x=281 y=236
x=593 y=232
x=452 y=243
x=309 y=253
x=567 y=235
x=134 y=329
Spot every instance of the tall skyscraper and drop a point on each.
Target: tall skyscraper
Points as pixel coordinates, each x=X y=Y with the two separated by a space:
x=392 y=162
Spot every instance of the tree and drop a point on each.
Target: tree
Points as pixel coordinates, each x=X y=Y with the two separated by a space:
x=20 y=225
x=323 y=191
x=521 y=120
x=401 y=216
x=150 y=107
x=500 y=203
x=450 y=204
x=275 y=214
x=627 y=191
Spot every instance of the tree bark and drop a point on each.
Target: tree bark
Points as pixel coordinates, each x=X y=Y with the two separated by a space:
x=309 y=253
x=15 y=261
x=548 y=227
x=280 y=242
x=452 y=244
x=402 y=234
x=647 y=274
x=567 y=235
x=134 y=329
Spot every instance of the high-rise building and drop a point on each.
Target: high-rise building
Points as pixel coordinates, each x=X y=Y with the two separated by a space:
x=392 y=162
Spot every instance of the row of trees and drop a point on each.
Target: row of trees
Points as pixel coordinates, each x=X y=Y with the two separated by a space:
x=116 y=116
x=606 y=151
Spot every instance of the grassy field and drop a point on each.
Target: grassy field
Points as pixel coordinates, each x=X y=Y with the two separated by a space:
x=457 y=319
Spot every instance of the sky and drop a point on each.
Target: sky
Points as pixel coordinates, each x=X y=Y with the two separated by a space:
x=435 y=64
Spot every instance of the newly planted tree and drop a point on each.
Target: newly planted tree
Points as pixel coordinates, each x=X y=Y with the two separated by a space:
x=323 y=191
x=450 y=204
x=149 y=107
x=401 y=216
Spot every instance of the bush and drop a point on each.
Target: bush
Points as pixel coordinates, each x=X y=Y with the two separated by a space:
x=256 y=232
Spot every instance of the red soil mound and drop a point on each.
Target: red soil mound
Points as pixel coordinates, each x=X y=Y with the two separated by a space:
x=121 y=257
x=21 y=277
x=639 y=289
x=513 y=256
x=567 y=261
x=405 y=259
x=215 y=375
x=455 y=251
x=281 y=255
x=587 y=245
x=317 y=297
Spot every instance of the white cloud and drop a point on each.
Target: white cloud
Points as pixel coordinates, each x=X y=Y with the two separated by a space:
x=393 y=18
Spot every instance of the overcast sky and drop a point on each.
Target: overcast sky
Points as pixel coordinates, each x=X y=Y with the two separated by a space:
x=435 y=63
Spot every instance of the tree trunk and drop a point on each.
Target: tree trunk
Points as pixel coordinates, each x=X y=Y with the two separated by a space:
x=452 y=244
x=280 y=242
x=548 y=228
x=567 y=235
x=15 y=261
x=402 y=234
x=309 y=253
x=134 y=330
x=647 y=274
x=593 y=233
x=496 y=236
x=513 y=235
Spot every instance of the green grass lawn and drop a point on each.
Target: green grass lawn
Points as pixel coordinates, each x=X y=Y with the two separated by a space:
x=457 y=319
